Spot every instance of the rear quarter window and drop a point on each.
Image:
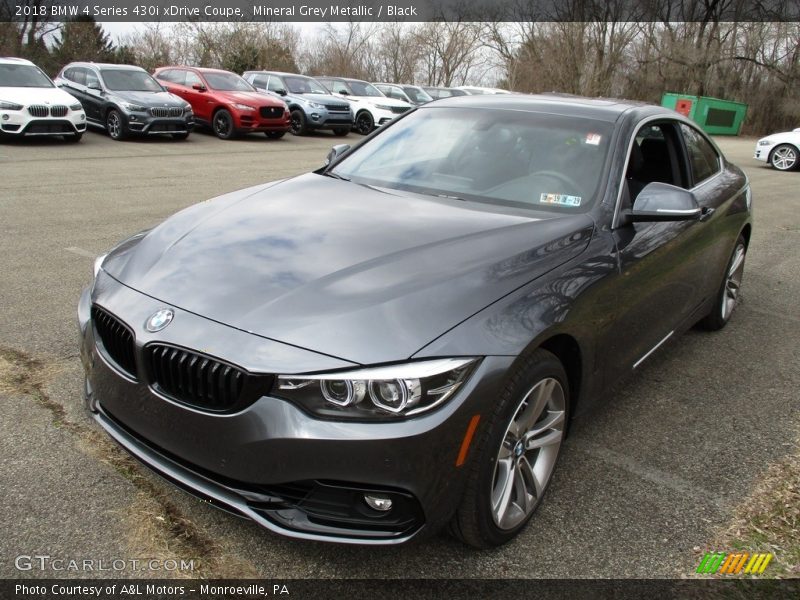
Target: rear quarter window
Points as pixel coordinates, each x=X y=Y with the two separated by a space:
x=702 y=155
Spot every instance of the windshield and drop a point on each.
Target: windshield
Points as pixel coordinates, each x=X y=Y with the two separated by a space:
x=123 y=80
x=362 y=88
x=417 y=94
x=533 y=160
x=23 y=76
x=304 y=85
x=227 y=82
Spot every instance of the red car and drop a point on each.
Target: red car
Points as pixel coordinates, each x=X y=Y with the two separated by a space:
x=225 y=102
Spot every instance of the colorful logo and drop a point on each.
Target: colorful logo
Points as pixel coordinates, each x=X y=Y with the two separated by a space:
x=728 y=563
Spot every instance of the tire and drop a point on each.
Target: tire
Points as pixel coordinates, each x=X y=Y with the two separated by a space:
x=364 y=123
x=222 y=124
x=298 y=122
x=115 y=125
x=180 y=136
x=74 y=138
x=535 y=397
x=784 y=157
x=340 y=131
x=274 y=135
x=727 y=297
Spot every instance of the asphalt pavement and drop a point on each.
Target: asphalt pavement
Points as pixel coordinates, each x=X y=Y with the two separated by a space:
x=643 y=482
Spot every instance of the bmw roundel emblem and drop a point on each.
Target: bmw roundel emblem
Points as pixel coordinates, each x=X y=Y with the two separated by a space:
x=159 y=320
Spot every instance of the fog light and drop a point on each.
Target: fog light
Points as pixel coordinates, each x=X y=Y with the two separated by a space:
x=381 y=503
x=5 y=117
x=314 y=116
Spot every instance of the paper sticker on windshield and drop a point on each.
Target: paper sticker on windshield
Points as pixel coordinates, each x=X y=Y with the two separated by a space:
x=562 y=199
x=593 y=139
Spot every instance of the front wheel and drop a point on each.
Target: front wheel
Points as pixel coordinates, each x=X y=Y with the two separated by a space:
x=784 y=157
x=517 y=453
x=729 y=292
x=364 y=123
x=298 y=122
x=223 y=125
x=274 y=135
x=115 y=125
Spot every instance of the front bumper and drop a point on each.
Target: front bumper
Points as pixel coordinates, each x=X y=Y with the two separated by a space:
x=272 y=462
x=253 y=122
x=762 y=152
x=145 y=124
x=323 y=119
x=21 y=123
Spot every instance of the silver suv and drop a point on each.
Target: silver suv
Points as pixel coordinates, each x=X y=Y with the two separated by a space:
x=311 y=105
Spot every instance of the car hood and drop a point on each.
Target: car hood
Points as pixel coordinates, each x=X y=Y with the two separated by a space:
x=249 y=98
x=27 y=95
x=362 y=274
x=321 y=98
x=149 y=99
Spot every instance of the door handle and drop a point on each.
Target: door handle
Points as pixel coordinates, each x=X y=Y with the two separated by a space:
x=706 y=213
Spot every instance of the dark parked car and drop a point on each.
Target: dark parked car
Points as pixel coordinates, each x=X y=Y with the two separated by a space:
x=399 y=340
x=225 y=102
x=311 y=105
x=413 y=94
x=125 y=100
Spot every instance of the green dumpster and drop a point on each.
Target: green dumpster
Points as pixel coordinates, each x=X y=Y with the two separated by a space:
x=715 y=116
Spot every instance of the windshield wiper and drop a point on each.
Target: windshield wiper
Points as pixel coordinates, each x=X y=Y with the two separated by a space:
x=336 y=175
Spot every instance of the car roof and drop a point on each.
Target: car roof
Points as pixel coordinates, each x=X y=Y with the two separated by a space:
x=605 y=109
x=198 y=69
x=342 y=78
x=278 y=73
x=102 y=66
x=12 y=60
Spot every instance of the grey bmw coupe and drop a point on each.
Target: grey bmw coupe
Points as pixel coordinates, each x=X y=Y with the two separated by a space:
x=398 y=341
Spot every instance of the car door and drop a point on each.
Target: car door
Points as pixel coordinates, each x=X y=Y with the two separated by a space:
x=95 y=97
x=200 y=99
x=661 y=265
x=73 y=81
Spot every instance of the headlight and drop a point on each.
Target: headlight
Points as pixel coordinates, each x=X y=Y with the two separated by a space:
x=10 y=105
x=98 y=264
x=76 y=106
x=187 y=109
x=133 y=107
x=382 y=106
x=316 y=105
x=243 y=107
x=377 y=393
x=764 y=142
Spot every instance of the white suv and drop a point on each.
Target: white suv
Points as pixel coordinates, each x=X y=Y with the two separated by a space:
x=31 y=104
x=370 y=106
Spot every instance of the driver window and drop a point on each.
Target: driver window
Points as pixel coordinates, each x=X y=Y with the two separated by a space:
x=275 y=84
x=654 y=157
x=91 y=79
x=192 y=79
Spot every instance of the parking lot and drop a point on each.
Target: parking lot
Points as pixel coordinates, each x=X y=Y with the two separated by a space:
x=643 y=485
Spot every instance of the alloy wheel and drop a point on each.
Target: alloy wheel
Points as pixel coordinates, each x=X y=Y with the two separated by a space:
x=364 y=123
x=733 y=282
x=528 y=453
x=223 y=124
x=114 y=124
x=784 y=158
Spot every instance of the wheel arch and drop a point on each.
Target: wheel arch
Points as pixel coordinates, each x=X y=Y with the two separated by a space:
x=747 y=230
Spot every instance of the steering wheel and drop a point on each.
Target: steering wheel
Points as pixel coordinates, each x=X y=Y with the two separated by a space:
x=572 y=186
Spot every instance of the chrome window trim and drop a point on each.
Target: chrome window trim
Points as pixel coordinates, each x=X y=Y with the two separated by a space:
x=615 y=220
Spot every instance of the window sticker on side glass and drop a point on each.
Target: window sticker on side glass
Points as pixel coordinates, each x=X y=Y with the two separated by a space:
x=561 y=199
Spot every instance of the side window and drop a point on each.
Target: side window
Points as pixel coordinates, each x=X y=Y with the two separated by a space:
x=192 y=79
x=78 y=75
x=654 y=157
x=92 y=80
x=275 y=84
x=260 y=81
x=702 y=156
x=336 y=86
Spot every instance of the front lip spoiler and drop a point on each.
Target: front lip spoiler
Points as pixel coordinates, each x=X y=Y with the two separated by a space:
x=215 y=494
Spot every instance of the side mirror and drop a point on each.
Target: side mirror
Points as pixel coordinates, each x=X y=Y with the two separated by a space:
x=96 y=87
x=336 y=152
x=663 y=202
x=281 y=92
x=199 y=87
x=343 y=93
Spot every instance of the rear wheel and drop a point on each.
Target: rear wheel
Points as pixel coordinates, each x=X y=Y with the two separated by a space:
x=115 y=125
x=517 y=453
x=223 y=124
x=784 y=157
x=364 y=123
x=341 y=131
x=274 y=135
x=729 y=292
x=298 y=122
